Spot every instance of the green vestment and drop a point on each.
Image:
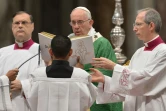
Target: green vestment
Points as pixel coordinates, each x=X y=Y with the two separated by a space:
x=103 y=48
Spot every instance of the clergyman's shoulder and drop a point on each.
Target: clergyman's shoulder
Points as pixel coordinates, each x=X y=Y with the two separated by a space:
x=101 y=39
x=6 y=49
x=39 y=72
x=78 y=72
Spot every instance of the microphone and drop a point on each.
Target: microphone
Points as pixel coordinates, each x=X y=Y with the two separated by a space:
x=27 y=60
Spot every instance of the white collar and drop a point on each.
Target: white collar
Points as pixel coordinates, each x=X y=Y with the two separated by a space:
x=146 y=44
x=91 y=32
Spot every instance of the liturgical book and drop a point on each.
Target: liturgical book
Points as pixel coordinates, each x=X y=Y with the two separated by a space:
x=45 y=41
x=82 y=47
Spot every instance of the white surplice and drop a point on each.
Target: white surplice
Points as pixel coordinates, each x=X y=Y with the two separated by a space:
x=5 y=101
x=33 y=49
x=142 y=85
x=60 y=94
x=10 y=59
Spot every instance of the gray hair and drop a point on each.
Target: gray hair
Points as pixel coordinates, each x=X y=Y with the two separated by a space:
x=152 y=16
x=88 y=13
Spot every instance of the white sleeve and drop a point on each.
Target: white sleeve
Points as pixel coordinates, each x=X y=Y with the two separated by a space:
x=148 y=81
x=4 y=80
x=93 y=94
x=5 y=102
x=26 y=86
x=105 y=96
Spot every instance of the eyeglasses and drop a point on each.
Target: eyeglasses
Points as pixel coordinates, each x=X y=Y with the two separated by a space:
x=137 y=24
x=79 y=22
x=21 y=22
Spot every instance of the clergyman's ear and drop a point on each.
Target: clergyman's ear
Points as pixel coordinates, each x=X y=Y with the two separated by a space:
x=152 y=26
x=91 y=22
x=70 y=52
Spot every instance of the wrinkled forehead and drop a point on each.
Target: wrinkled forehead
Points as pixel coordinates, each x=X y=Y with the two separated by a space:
x=78 y=14
x=22 y=17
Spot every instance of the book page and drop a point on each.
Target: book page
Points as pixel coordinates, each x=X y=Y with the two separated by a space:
x=82 y=47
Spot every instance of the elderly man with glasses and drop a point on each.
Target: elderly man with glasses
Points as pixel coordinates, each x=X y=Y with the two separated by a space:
x=81 y=23
x=141 y=85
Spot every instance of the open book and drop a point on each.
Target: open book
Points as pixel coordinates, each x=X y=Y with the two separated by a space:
x=82 y=46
